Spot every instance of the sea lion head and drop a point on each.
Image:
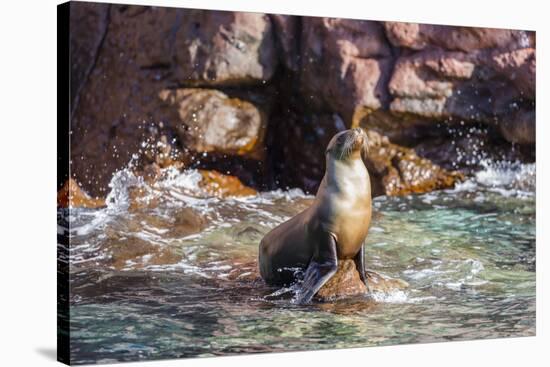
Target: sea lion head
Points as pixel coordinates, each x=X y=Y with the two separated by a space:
x=347 y=144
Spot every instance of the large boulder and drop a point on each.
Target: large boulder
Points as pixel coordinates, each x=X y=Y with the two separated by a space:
x=208 y=121
x=346 y=65
x=397 y=170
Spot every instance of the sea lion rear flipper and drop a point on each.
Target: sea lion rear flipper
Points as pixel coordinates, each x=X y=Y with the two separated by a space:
x=359 y=260
x=321 y=268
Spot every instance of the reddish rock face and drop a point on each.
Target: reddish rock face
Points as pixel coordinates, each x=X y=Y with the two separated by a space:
x=345 y=66
x=482 y=86
x=88 y=25
x=118 y=100
x=145 y=51
x=452 y=38
x=286 y=34
x=216 y=47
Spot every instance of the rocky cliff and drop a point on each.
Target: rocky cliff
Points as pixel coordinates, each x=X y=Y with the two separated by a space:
x=258 y=96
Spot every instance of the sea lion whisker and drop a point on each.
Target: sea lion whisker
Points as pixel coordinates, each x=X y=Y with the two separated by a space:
x=347 y=146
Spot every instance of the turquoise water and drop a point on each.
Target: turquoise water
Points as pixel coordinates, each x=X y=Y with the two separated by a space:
x=144 y=287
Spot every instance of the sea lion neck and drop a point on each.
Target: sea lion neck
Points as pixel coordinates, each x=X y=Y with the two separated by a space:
x=339 y=172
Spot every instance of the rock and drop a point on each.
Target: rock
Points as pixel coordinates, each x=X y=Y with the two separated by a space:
x=140 y=198
x=208 y=121
x=481 y=86
x=302 y=154
x=380 y=283
x=224 y=48
x=397 y=170
x=421 y=36
x=519 y=127
x=393 y=169
x=119 y=102
x=462 y=147
x=130 y=251
x=187 y=221
x=159 y=153
x=332 y=74
x=346 y=282
x=519 y=66
x=286 y=35
x=88 y=25
x=145 y=50
x=72 y=196
x=220 y=185
x=150 y=195
x=345 y=66
x=151 y=172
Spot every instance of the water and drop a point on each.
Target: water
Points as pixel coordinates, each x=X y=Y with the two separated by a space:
x=144 y=286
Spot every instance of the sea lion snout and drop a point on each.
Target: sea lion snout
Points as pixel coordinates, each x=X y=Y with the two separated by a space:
x=360 y=137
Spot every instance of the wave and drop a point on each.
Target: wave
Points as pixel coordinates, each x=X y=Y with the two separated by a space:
x=502 y=177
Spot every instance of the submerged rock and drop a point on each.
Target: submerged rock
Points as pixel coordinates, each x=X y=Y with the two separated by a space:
x=72 y=196
x=346 y=282
x=380 y=283
x=135 y=253
x=187 y=221
x=220 y=185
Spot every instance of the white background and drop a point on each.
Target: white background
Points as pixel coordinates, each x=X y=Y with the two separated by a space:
x=28 y=182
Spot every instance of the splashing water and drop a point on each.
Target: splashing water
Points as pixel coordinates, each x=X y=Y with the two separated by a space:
x=170 y=272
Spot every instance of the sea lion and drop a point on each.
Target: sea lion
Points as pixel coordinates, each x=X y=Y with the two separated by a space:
x=334 y=227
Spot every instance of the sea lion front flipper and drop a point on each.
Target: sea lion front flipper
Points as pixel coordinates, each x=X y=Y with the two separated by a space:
x=359 y=260
x=321 y=268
